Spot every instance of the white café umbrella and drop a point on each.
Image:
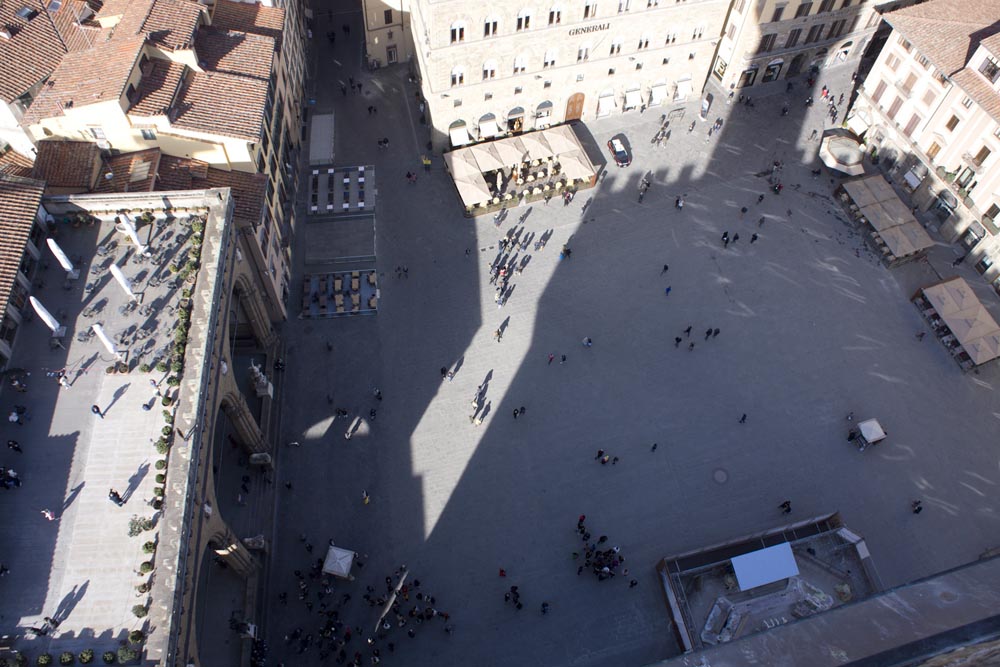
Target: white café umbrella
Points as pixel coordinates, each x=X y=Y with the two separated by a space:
x=107 y=342
x=123 y=281
x=125 y=225
x=57 y=329
x=64 y=261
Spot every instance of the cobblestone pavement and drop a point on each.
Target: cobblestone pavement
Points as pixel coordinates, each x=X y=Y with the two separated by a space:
x=812 y=327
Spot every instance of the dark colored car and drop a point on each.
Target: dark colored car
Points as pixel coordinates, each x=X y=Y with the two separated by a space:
x=619 y=152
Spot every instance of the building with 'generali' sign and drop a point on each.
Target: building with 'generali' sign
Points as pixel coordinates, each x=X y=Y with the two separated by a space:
x=488 y=69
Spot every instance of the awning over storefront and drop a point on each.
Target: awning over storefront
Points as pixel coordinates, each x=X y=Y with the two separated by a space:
x=488 y=127
x=906 y=239
x=912 y=179
x=891 y=224
x=633 y=99
x=459 y=135
x=605 y=105
x=658 y=95
x=683 y=88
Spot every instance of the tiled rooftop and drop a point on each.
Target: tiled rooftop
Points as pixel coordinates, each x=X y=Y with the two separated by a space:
x=158 y=88
x=172 y=23
x=36 y=46
x=187 y=174
x=96 y=75
x=13 y=163
x=130 y=172
x=947 y=32
x=238 y=53
x=221 y=104
x=250 y=17
x=19 y=200
x=67 y=165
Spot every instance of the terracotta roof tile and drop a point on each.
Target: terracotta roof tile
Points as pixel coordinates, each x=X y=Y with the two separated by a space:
x=947 y=32
x=131 y=172
x=36 y=46
x=187 y=174
x=69 y=165
x=173 y=23
x=13 y=163
x=250 y=17
x=96 y=75
x=158 y=88
x=221 y=104
x=976 y=87
x=19 y=200
x=239 y=53
x=178 y=173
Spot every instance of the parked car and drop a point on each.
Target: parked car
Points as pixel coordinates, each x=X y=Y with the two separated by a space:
x=619 y=152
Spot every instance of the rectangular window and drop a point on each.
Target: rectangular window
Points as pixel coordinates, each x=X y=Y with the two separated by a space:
x=666 y=61
x=457 y=33
x=793 y=38
x=695 y=34
x=934 y=149
x=457 y=79
x=550 y=60
x=847 y=3
x=518 y=90
x=992 y=212
x=519 y=66
x=924 y=62
x=555 y=16
x=911 y=80
x=778 y=11
x=671 y=38
x=387 y=16
x=826 y=6
x=652 y=3
x=616 y=48
x=590 y=10
x=967 y=102
x=611 y=71
x=547 y=84
x=583 y=53
x=814 y=33
x=905 y=44
x=523 y=22
x=996 y=132
x=487 y=97
x=148 y=135
x=952 y=123
x=767 y=43
x=458 y=103
x=624 y=6
x=981 y=156
x=98 y=133
x=740 y=5
x=489 y=73
x=929 y=98
x=894 y=109
x=638 y=66
x=130 y=93
x=836 y=29
x=643 y=43
x=731 y=31
x=990 y=69
x=911 y=125
x=803 y=9
x=490 y=28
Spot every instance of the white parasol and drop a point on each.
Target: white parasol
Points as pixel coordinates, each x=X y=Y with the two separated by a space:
x=64 y=261
x=123 y=281
x=107 y=342
x=126 y=226
x=58 y=331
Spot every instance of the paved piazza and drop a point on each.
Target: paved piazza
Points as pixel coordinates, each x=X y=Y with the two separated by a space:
x=812 y=328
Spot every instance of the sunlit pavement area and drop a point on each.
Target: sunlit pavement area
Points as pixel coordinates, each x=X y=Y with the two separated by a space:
x=812 y=328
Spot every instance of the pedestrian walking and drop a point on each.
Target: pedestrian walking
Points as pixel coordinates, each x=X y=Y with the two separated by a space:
x=754 y=237
x=503 y=572
x=365 y=498
x=665 y=269
x=760 y=223
x=49 y=515
x=520 y=410
x=562 y=360
x=725 y=239
x=715 y=332
x=497 y=335
x=516 y=413
x=633 y=583
x=667 y=291
x=444 y=372
x=677 y=341
x=743 y=419
x=343 y=89
x=600 y=453
x=96 y=409
x=743 y=212
x=377 y=393
x=545 y=608
x=917 y=507
x=587 y=342
x=13 y=444
x=691 y=347
x=653 y=448
x=760 y=198
x=116 y=498
x=687 y=332
x=786 y=507
x=551 y=357
x=736 y=237
x=708 y=333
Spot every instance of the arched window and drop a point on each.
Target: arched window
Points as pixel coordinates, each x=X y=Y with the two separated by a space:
x=616 y=46
x=489 y=69
x=457 y=32
x=555 y=15
x=457 y=75
x=643 y=42
x=520 y=63
x=524 y=19
x=490 y=26
x=550 y=58
x=583 y=53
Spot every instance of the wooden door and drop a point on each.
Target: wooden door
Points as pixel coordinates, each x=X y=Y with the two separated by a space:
x=574 y=107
